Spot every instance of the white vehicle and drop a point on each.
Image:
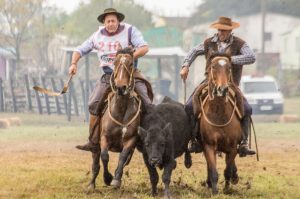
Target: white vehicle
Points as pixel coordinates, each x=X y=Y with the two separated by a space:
x=262 y=94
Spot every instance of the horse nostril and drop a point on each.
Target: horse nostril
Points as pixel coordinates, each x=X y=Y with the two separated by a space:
x=226 y=89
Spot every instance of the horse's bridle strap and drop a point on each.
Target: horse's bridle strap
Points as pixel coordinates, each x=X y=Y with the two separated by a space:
x=120 y=123
x=210 y=122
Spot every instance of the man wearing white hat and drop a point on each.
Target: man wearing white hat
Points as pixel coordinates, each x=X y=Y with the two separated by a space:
x=107 y=40
x=241 y=54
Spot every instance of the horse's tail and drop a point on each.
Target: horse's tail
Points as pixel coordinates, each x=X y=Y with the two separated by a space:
x=252 y=124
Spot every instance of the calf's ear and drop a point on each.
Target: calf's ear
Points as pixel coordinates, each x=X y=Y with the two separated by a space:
x=168 y=129
x=142 y=133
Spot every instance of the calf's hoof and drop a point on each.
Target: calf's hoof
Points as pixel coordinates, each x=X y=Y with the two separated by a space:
x=187 y=160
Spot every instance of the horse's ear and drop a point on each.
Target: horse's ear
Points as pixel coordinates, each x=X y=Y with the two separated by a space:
x=142 y=133
x=168 y=130
x=132 y=49
x=116 y=62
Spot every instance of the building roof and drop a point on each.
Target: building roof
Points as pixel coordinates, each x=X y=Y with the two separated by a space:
x=7 y=52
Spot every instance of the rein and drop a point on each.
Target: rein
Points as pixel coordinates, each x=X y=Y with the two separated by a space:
x=124 y=129
x=131 y=79
x=212 y=123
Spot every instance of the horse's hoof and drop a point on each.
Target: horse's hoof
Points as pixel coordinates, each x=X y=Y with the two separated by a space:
x=107 y=179
x=116 y=183
x=235 y=180
x=167 y=195
x=226 y=188
x=91 y=188
x=154 y=193
x=215 y=191
x=209 y=185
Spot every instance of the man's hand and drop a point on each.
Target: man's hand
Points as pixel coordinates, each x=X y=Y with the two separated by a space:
x=73 y=69
x=184 y=72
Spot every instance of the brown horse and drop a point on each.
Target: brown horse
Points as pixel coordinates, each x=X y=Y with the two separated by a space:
x=120 y=120
x=219 y=122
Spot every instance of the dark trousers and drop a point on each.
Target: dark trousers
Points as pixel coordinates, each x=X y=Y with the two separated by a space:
x=99 y=93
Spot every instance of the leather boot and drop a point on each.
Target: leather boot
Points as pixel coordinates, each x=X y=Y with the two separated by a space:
x=243 y=149
x=94 y=129
x=194 y=146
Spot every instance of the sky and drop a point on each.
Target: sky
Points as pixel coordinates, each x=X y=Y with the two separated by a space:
x=160 y=7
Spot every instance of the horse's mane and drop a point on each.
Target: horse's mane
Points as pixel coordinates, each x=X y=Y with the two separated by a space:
x=127 y=50
x=218 y=54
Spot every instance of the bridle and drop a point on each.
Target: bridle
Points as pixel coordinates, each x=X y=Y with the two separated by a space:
x=212 y=79
x=128 y=90
x=122 y=64
x=233 y=102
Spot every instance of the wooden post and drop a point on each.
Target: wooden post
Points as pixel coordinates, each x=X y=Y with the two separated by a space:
x=58 y=110
x=69 y=104
x=13 y=96
x=28 y=93
x=87 y=80
x=69 y=112
x=1 y=96
x=74 y=96
x=176 y=77
x=46 y=96
x=38 y=100
x=84 y=100
x=64 y=97
x=159 y=72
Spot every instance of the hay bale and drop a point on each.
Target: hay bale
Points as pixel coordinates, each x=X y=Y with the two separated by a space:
x=4 y=123
x=14 y=121
x=289 y=118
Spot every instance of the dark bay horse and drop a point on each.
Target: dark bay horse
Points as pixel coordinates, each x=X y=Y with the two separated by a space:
x=219 y=122
x=120 y=121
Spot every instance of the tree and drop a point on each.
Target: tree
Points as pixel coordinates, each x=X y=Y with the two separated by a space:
x=16 y=20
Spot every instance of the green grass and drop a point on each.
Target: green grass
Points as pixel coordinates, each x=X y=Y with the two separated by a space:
x=38 y=160
x=292 y=105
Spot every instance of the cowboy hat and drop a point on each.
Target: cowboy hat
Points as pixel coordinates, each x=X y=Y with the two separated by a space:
x=107 y=11
x=225 y=23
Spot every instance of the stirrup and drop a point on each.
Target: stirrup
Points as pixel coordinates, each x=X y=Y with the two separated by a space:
x=244 y=150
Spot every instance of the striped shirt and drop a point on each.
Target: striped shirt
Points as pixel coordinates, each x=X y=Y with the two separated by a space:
x=247 y=56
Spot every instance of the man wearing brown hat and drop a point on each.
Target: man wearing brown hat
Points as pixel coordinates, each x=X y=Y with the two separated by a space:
x=106 y=41
x=241 y=54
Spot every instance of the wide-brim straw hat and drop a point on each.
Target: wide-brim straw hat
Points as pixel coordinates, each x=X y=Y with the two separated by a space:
x=225 y=23
x=107 y=11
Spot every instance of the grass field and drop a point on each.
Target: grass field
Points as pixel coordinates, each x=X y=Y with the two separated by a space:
x=38 y=160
